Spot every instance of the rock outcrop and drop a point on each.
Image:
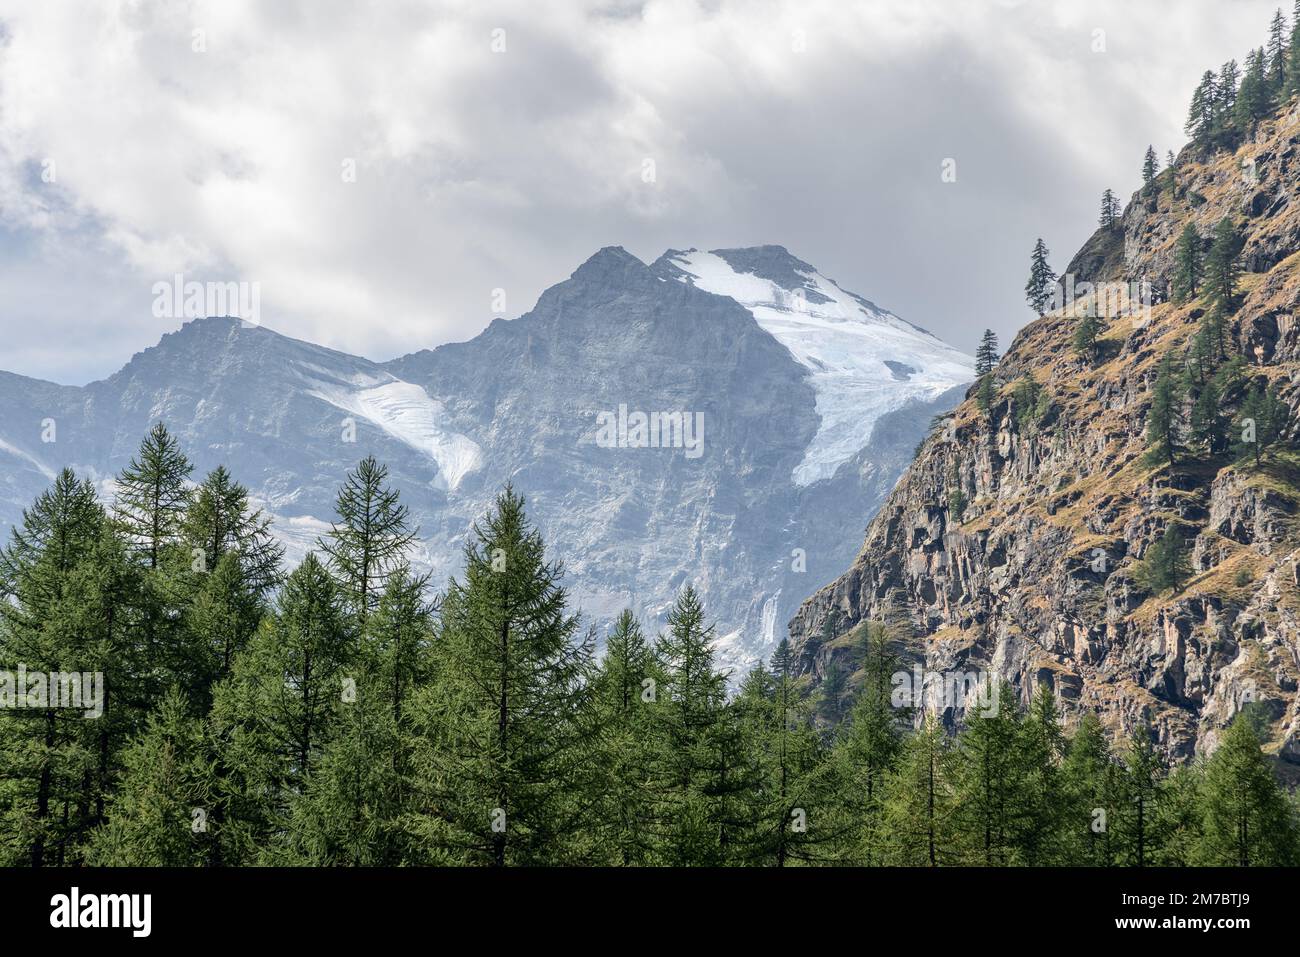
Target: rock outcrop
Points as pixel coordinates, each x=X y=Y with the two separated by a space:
x=1011 y=543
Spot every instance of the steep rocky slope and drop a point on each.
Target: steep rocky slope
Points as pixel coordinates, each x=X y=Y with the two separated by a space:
x=1035 y=578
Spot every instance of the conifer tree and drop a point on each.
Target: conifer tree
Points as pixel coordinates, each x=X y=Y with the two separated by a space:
x=1150 y=167
x=1137 y=816
x=220 y=521
x=1221 y=268
x=1110 y=210
x=1264 y=419
x=1229 y=74
x=1165 y=564
x=1208 y=426
x=697 y=761
x=370 y=538
x=1292 y=84
x=1246 y=818
x=158 y=817
x=990 y=781
x=1090 y=784
x=1188 y=268
x=71 y=600
x=1276 y=56
x=151 y=495
x=1038 y=290
x=1041 y=743
x=986 y=353
x=1164 y=417
x=1253 y=97
x=918 y=824
x=1201 y=114
x=867 y=753
x=624 y=692
x=500 y=746
x=1086 y=332
x=276 y=714
x=792 y=818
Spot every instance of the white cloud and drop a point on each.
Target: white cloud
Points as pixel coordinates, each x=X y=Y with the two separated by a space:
x=820 y=125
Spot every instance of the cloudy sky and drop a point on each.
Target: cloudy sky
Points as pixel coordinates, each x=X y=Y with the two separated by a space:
x=380 y=169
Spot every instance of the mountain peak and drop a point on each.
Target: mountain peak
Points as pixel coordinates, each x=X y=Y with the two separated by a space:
x=608 y=262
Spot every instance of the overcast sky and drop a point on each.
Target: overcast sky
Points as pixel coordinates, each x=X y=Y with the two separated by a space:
x=498 y=145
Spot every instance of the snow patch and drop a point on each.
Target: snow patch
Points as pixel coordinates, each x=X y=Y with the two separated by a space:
x=850 y=349
x=407 y=413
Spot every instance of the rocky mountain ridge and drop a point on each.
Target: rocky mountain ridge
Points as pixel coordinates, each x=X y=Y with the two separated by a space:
x=522 y=402
x=1012 y=542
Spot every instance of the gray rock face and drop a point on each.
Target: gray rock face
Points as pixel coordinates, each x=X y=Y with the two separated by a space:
x=552 y=402
x=1033 y=575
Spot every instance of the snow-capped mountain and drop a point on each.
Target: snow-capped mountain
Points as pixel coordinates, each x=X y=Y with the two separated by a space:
x=809 y=401
x=862 y=360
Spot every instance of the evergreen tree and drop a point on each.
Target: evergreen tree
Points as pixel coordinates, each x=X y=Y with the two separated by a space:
x=1041 y=743
x=220 y=521
x=866 y=753
x=791 y=816
x=1221 y=268
x=1208 y=426
x=1253 y=97
x=1137 y=823
x=990 y=782
x=1247 y=819
x=986 y=353
x=371 y=537
x=1292 y=85
x=918 y=810
x=695 y=773
x=71 y=604
x=1276 y=56
x=1038 y=290
x=624 y=690
x=280 y=709
x=1201 y=114
x=500 y=744
x=159 y=815
x=1086 y=332
x=1188 y=268
x=1165 y=564
x=1229 y=75
x=1150 y=167
x=152 y=497
x=1091 y=786
x=1164 y=416
x=1110 y=210
x=1264 y=419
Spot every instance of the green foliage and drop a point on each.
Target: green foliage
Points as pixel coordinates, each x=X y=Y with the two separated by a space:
x=1165 y=565
x=1038 y=290
x=1150 y=167
x=371 y=537
x=1188 y=264
x=355 y=722
x=1110 y=210
x=986 y=353
x=1165 y=417
x=1086 y=332
x=1031 y=402
x=1221 y=268
x=1264 y=419
x=1246 y=820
